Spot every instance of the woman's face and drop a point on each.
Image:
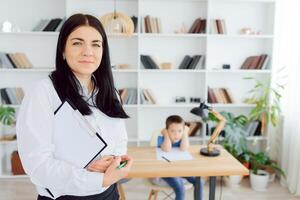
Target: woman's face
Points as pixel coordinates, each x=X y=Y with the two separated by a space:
x=83 y=51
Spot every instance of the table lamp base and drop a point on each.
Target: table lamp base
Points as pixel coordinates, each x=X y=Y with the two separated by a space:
x=213 y=153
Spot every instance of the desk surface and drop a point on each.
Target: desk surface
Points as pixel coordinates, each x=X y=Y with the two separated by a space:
x=145 y=164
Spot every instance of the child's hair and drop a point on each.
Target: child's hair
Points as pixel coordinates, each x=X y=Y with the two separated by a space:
x=173 y=119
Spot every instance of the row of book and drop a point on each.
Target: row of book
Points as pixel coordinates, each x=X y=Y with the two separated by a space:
x=199 y=26
x=128 y=95
x=13 y=96
x=147 y=97
x=53 y=25
x=195 y=62
x=220 y=95
x=256 y=62
x=218 y=26
x=14 y=60
x=151 y=25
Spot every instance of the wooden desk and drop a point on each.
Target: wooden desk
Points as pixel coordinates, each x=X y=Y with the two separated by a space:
x=146 y=165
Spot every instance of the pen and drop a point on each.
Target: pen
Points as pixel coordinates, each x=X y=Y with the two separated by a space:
x=122 y=164
x=166 y=159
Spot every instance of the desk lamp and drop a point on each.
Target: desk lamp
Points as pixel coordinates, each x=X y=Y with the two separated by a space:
x=202 y=111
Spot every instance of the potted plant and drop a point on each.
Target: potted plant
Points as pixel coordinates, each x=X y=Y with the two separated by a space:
x=234 y=141
x=266 y=100
x=259 y=176
x=234 y=130
x=7 y=120
x=243 y=157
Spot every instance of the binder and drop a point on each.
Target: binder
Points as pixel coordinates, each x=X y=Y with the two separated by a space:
x=74 y=138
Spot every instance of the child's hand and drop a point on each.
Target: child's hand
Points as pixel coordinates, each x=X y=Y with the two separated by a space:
x=164 y=132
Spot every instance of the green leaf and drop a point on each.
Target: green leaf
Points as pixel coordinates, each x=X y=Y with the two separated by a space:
x=7 y=115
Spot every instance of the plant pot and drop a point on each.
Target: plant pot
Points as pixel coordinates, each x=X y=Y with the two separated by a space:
x=259 y=181
x=233 y=181
x=247 y=165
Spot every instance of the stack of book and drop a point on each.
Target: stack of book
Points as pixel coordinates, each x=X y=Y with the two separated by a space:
x=151 y=25
x=128 y=95
x=149 y=62
x=199 y=26
x=147 y=97
x=195 y=62
x=14 y=60
x=12 y=96
x=220 y=95
x=218 y=26
x=256 y=62
x=49 y=25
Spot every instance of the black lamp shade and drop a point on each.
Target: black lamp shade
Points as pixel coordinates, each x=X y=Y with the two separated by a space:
x=201 y=111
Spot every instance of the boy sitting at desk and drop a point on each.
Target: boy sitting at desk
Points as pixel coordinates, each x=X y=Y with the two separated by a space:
x=176 y=135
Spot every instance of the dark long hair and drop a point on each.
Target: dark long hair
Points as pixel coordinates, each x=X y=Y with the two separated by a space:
x=67 y=85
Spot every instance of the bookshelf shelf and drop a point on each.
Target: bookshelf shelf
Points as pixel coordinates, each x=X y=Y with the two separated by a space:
x=240 y=71
x=11 y=176
x=183 y=105
x=225 y=36
x=168 y=46
x=238 y=105
x=170 y=35
x=124 y=71
x=172 y=71
x=13 y=142
x=29 y=33
x=27 y=70
x=55 y=34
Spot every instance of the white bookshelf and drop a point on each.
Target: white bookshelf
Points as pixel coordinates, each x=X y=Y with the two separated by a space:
x=167 y=46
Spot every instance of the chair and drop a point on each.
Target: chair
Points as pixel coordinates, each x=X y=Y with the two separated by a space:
x=160 y=186
x=121 y=189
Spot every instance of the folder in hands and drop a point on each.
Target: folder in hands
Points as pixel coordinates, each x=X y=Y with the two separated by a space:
x=75 y=140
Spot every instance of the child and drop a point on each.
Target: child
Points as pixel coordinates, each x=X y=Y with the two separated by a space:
x=176 y=135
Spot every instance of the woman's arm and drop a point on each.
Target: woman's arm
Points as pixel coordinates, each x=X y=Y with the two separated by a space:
x=167 y=144
x=35 y=126
x=184 y=145
x=121 y=139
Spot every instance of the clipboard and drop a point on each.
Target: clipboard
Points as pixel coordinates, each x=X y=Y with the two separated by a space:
x=75 y=140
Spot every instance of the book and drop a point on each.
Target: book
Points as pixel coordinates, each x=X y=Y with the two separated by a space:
x=194 y=25
x=52 y=25
x=4 y=61
x=8 y=55
x=185 y=62
x=135 y=22
x=41 y=25
x=266 y=62
x=195 y=61
x=4 y=96
x=254 y=62
x=148 y=62
x=211 y=96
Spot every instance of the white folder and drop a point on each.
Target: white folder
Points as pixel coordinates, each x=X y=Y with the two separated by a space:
x=74 y=138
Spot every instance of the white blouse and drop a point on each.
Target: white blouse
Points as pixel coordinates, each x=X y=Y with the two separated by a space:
x=34 y=133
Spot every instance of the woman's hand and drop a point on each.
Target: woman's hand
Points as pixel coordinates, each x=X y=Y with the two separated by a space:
x=100 y=165
x=113 y=174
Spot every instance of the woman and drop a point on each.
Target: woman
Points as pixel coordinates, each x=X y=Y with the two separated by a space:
x=83 y=76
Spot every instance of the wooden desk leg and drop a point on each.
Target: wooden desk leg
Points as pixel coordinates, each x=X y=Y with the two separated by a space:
x=212 y=187
x=197 y=188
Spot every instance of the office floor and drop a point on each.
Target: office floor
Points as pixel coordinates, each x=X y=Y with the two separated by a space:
x=136 y=190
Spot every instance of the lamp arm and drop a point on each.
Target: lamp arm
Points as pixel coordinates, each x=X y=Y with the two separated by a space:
x=218 y=128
